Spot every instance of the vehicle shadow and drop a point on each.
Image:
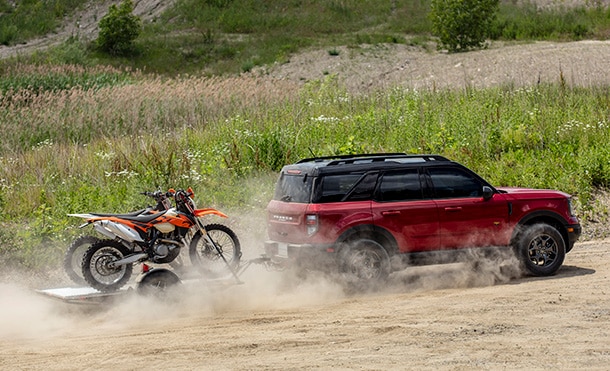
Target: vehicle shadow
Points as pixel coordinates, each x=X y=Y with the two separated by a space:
x=467 y=275
x=566 y=271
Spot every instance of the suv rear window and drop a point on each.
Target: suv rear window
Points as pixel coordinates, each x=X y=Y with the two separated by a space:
x=293 y=188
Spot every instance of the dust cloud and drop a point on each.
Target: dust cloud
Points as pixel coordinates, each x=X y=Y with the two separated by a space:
x=27 y=314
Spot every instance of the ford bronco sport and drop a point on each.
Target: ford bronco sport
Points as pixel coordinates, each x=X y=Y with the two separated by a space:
x=359 y=213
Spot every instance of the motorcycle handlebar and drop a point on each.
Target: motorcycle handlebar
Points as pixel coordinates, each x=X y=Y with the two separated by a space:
x=157 y=195
x=160 y=195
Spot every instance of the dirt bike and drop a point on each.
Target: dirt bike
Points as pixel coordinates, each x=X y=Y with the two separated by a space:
x=73 y=257
x=158 y=238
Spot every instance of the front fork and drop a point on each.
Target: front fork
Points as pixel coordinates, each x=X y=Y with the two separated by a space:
x=209 y=240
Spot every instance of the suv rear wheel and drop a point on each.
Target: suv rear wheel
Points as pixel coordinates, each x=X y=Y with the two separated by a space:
x=541 y=249
x=365 y=262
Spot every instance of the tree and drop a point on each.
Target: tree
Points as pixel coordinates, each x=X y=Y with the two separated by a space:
x=462 y=24
x=118 y=29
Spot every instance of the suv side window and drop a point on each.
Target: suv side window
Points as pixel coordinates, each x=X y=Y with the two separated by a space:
x=364 y=189
x=333 y=188
x=401 y=185
x=454 y=183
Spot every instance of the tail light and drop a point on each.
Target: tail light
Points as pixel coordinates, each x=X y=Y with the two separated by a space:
x=311 y=220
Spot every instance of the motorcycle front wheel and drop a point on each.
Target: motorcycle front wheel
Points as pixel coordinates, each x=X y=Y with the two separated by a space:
x=217 y=255
x=97 y=267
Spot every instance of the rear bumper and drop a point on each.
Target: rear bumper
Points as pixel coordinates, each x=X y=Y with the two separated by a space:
x=302 y=255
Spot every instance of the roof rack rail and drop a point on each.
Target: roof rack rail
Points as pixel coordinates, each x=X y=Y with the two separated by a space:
x=347 y=159
x=344 y=157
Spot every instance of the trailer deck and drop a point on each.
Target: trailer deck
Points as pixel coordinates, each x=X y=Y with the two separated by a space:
x=89 y=295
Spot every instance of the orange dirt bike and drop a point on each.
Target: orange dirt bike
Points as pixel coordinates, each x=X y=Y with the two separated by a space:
x=73 y=257
x=157 y=237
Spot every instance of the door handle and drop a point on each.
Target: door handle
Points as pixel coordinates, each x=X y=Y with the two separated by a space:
x=390 y=213
x=453 y=209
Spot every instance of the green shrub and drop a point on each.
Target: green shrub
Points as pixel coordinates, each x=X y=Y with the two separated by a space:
x=461 y=25
x=118 y=29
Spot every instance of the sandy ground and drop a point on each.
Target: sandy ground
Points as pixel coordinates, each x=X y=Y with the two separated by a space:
x=435 y=317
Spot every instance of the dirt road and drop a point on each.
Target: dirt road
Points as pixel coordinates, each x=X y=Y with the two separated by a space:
x=437 y=317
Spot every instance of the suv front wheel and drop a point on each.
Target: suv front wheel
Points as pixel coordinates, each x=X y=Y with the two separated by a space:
x=541 y=249
x=365 y=263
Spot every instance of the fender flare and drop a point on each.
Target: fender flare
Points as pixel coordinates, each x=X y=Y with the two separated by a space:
x=372 y=232
x=542 y=216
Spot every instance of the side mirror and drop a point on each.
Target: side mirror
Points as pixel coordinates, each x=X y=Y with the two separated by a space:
x=487 y=193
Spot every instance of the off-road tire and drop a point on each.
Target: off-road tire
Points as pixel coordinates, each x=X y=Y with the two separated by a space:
x=96 y=271
x=73 y=258
x=206 y=259
x=160 y=284
x=541 y=249
x=365 y=264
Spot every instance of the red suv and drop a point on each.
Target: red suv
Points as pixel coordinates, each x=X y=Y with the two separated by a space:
x=362 y=213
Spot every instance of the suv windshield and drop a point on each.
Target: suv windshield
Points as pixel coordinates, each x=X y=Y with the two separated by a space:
x=293 y=188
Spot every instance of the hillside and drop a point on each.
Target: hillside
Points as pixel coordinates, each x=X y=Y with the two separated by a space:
x=371 y=67
x=84 y=24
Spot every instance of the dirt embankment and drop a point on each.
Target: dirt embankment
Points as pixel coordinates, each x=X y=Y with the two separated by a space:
x=583 y=63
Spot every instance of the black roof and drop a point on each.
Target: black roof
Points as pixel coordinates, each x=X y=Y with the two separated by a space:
x=359 y=162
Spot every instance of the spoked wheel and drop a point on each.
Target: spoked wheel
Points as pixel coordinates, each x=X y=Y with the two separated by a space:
x=159 y=283
x=99 y=270
x=73 y=258
x=541 y=249
x=211 y=256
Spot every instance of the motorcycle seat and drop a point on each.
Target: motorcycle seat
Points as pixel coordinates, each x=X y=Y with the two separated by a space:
x=144 y=218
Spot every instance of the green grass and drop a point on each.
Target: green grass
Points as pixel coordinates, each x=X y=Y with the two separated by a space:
x=530 y=23
x=26 y=19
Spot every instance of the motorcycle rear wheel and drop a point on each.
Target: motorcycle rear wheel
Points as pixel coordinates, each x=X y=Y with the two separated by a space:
x=97 y=270
x=204 y=256
x=73 y=258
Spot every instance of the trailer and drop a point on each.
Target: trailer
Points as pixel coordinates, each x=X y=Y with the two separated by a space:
x=152 y=282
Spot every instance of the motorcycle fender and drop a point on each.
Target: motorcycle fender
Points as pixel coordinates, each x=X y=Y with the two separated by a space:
x=113 y=230
x=203 y=212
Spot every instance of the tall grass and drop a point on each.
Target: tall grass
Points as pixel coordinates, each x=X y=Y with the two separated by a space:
x=153 y=106
x=82 y=150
